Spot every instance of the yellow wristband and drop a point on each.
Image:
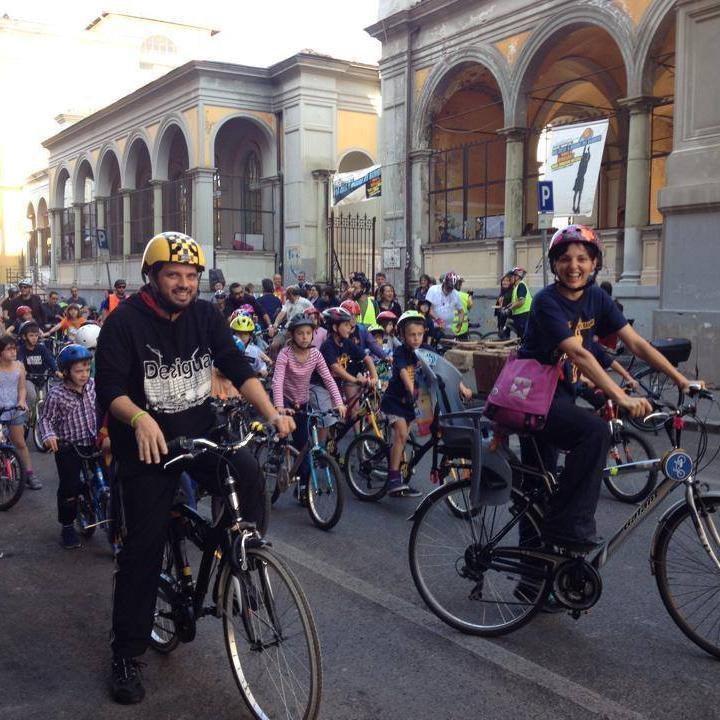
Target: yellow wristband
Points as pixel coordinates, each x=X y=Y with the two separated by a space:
x=136 y=416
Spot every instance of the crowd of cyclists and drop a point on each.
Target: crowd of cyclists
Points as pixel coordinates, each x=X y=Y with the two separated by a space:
x=140 y=371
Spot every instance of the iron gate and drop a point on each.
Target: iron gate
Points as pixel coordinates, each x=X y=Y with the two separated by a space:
x=351 y=240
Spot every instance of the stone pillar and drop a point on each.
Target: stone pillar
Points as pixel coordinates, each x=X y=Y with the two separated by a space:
x=514 y=170
x=322 y=184
x=37 y=260
x=127 y=222
x=100 y=205
x=637 y=193
x=203 y=225
x=77 y=207
x=158 y=207
x=55 y=219
x=690 y=200
x=420 y=169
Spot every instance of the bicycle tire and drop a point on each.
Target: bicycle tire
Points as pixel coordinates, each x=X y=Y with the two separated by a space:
x=367 y=463
x=631 y=488
x=325 y=496
x=163 y=636
x=658 y=387
x=254 y=603
x=451 y=580
x=12 y=477
x=273 y=458
x=678 y=553
x=86 y=519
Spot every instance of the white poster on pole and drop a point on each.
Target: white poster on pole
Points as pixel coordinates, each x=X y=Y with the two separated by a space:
x=573 y=165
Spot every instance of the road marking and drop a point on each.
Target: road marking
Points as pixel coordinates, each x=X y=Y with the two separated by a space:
x=484 y=649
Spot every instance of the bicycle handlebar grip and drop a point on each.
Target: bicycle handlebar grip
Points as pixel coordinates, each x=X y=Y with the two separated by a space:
x=177 y=444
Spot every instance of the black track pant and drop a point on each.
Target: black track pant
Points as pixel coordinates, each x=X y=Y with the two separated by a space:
x=148 y=494
x=586 y=437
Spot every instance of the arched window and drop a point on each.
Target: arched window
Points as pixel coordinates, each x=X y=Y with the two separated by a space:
x=252 y=220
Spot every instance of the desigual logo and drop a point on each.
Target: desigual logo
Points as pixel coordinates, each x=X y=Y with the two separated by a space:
x=520 y=387
x=179 y=369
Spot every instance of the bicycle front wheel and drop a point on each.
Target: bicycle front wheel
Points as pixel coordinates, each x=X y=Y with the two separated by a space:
x=271 y=640
x=458 y=567
x=12 y=477
x=325 y=491
x=37 y=438
x=630 y=487
x=367 y=462
x=687 y=578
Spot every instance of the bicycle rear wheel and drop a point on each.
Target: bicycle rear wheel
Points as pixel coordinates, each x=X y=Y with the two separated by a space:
x=271 y=639
x=457 y=565
x=163 y=636
x=12 y=477
x=688 y=580
x=325 y=491
x=630 y=487
x=367 y=461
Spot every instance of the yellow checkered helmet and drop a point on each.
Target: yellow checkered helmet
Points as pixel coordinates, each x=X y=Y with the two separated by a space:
x=172 y=247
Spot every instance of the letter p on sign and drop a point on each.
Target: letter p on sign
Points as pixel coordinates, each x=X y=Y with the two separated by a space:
x=545 y=196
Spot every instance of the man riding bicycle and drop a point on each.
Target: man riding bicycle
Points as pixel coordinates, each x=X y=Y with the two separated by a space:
x=153 y=372
x=564 y=319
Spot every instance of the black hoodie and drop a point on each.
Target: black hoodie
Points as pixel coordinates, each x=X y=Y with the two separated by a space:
x=164 y=366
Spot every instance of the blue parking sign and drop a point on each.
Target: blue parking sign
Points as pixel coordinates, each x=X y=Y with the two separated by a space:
x=545 y=196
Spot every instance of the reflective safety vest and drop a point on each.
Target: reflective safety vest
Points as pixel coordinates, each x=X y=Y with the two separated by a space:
x=467 y=304
x=525 y=307
x=369 y=316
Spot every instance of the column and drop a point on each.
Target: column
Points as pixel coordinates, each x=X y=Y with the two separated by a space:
x=420 y=178
x=158 y=206
x=322 y=185
x=637 y=193
x=100 y=204
x=514 y=167
x=38 y=249
x=55 y=219
x=127 y=222
x=77 y=207
x=203 y=225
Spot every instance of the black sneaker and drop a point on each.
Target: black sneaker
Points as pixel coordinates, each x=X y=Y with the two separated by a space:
x=126 y=681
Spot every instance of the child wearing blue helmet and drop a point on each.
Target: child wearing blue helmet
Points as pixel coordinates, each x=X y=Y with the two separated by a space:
x=69 y=416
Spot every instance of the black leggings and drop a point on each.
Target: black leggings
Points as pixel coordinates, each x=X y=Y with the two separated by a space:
x=69 y=467
x=148 y=494
x=586 y=437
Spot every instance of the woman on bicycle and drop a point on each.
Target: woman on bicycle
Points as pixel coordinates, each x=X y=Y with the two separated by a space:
x=296 y=363
x=564 y=319
x=69 y=415
x=13 y=394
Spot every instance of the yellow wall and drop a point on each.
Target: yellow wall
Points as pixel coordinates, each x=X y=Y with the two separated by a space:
x=634 y=8
x=357 y=131
x=215 y=114
x=511 y=46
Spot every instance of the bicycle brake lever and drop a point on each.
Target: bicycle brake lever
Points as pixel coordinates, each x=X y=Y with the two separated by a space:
x=178 y=458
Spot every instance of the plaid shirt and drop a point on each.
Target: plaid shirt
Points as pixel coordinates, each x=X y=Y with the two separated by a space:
x=69 y=415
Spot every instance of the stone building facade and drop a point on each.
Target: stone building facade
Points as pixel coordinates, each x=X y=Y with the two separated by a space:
x=239 y=157
x=469 y=92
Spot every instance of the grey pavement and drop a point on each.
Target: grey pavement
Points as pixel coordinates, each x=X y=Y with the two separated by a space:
x=384 y=654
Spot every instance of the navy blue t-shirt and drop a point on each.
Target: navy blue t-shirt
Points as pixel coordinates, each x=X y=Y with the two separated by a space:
x=396 y=400
x=345 y=354
x=554 y=318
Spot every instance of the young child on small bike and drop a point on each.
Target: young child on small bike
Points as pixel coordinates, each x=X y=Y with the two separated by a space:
x=13 y=394
x=22 y=314
x=244 y=327
x=398 y=402
x=295 y=365
x=36 y=358
x=69 y=415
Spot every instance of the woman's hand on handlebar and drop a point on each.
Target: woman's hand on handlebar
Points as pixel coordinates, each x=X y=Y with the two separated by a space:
x=636 y=406
x=150 y=440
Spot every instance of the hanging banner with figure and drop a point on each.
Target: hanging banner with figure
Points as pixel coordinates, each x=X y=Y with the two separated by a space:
x=357 y=186
x=573 y=165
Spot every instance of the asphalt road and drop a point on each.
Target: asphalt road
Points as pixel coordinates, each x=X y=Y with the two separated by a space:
x=384 y=654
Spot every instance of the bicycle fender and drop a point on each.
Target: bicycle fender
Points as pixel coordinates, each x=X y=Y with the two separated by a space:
x=668 y=515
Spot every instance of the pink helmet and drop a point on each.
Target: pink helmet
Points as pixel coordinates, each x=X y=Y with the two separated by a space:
x=575 y=234
x=351 y=306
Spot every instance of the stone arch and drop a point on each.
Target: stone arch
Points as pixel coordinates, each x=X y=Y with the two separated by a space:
x=607 y=17
x=488 y=57
x=83 y=171
x=108 y=161
x=133 y=150
x=267 y=135
x=161 y=150
x=653 y=27
x=62 y=176
x=354 y=159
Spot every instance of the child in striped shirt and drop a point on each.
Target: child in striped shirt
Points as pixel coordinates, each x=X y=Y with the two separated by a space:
x=294 y=366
